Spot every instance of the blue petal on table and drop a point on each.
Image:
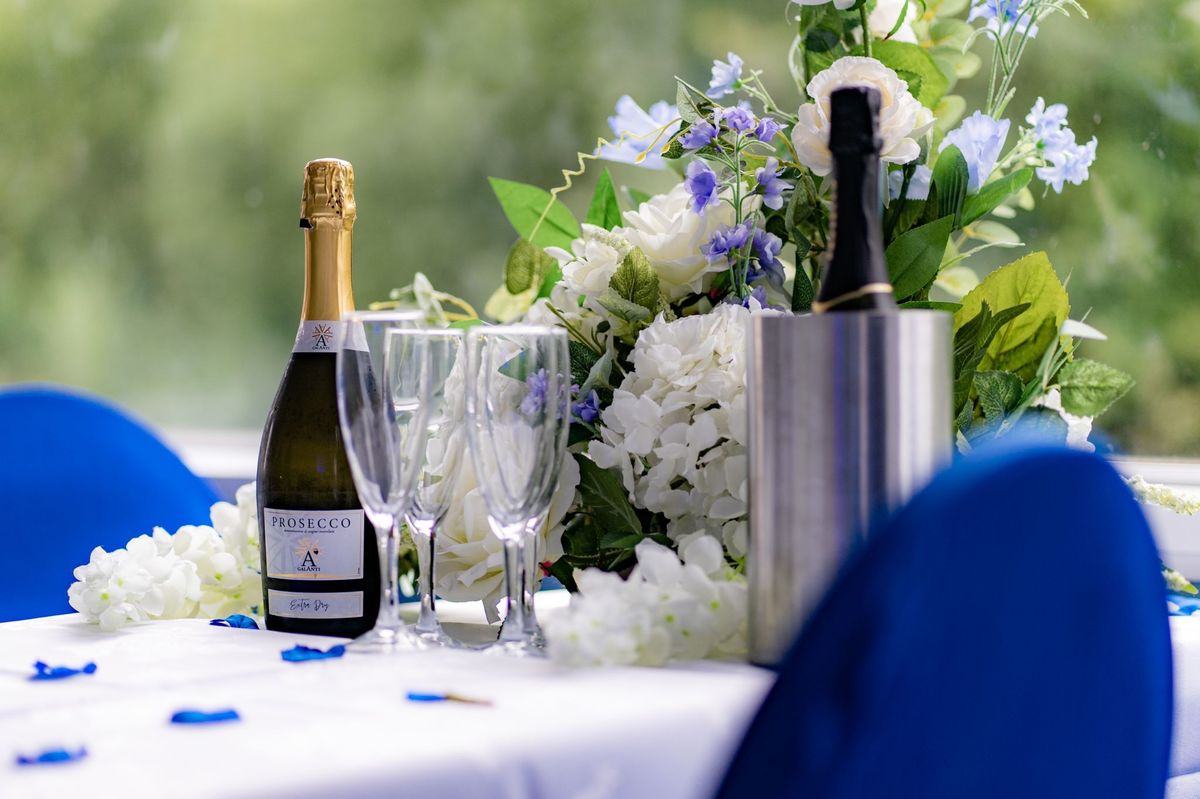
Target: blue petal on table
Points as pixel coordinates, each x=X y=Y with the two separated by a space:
x=43 y=671
x=300 y=653
x=1181 y=604
x=51 y=757
x=238 y=620
x=203 y=717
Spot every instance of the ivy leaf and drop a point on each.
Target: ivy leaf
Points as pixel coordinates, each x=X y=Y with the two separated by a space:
x=1018 y=346
x=523 y=205
x=1089 y=387
x=994 y=193
x=951 y=175
x=604 y=211
x=914 y=257
x=603 y=495
x=636 y=281
x=526 y=267
x=999 y=393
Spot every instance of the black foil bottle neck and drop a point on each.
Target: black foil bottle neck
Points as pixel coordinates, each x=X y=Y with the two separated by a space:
x=855 y=277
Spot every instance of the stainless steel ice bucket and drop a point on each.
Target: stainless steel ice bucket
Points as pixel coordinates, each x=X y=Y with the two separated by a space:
x=849 y=416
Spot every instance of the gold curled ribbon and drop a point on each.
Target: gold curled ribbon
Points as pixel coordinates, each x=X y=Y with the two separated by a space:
x=870 y=288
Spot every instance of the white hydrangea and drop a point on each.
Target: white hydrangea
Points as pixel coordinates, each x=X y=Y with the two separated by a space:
x=681 y=607
x=197 y=571
x=593 y=259
x=676 y=428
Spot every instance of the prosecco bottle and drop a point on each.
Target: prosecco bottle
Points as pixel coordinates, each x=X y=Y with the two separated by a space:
x=856 y=275
x=320 y=563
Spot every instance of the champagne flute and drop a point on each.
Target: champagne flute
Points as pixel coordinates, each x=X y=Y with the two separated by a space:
x=440 y=465
x=382 y=388
x=518 y=389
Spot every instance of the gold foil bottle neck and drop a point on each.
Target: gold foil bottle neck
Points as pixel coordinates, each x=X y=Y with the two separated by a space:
x=328 y=196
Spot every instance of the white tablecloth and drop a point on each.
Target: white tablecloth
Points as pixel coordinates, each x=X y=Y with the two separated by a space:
x=344 y=727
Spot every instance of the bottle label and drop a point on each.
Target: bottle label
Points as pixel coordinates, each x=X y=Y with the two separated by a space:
x=297 y=605
x=314 y=544
x=326 y=336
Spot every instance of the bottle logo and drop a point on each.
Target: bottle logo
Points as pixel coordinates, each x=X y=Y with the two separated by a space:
x=307 y=550
x=322 y=336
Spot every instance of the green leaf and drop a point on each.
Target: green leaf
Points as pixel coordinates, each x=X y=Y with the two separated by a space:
x=526 y=267
x=1019 y=345
x=622 y=308
x=692 y=106
x=635 y=280
x=550 y=280
x=914 y=257
x=912 y=58
x=523 y=205
x=971 y=340
x=620 y=540
x=604 y=497
x=928 y=305
x=583 y=358
x=466 y=324
x=803 y=293
x=999 y=393
x=994 y=193
x=1090 y=387
x=604 y=211
x=951 y=176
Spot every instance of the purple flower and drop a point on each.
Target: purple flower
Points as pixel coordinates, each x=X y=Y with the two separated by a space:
x=770 y=185
x=535 y=400
x=726 y=240
x=641 y=130
x=725 y=77
x=698 y=135
x=703 y=185
x=738 y=118
x=1046 y=121
x=980 y=139
x=766 y=247
x=588 y=408
x=758 y=294
x=767 y=129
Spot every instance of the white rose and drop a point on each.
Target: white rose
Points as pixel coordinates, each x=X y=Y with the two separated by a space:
x=902 y=119
x=670 y=233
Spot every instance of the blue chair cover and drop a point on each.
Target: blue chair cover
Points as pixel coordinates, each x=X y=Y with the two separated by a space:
x=1004 y=636
x=77 y=473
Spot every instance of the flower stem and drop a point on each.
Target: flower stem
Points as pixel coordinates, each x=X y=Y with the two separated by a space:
x=866 y=31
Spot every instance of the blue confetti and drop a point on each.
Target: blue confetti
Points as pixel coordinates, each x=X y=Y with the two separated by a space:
x=43 y=671
x=414 y=696
x=300 y=653
x=201 y=717
x=236 y=620
x=51 y=757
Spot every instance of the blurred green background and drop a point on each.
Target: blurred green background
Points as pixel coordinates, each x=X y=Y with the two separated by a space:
x=149 y=248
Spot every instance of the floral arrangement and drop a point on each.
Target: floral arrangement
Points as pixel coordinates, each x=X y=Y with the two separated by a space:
x=649 y=524
x=657 y=296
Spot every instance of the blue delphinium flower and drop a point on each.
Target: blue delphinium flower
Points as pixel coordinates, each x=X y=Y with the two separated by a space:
x=642 y=129
x=980 y=138
x=725 y=76
x=770 y=185
x=588 y=408
x=1069 y=162
x=535 y=400
x=1002 y=14
x=726 y=240
x=918 y=184
x=698 y=135
x=1046 y=121
x=766 y=247
x=767 y=129
x=702 y=184
x=738 y=118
